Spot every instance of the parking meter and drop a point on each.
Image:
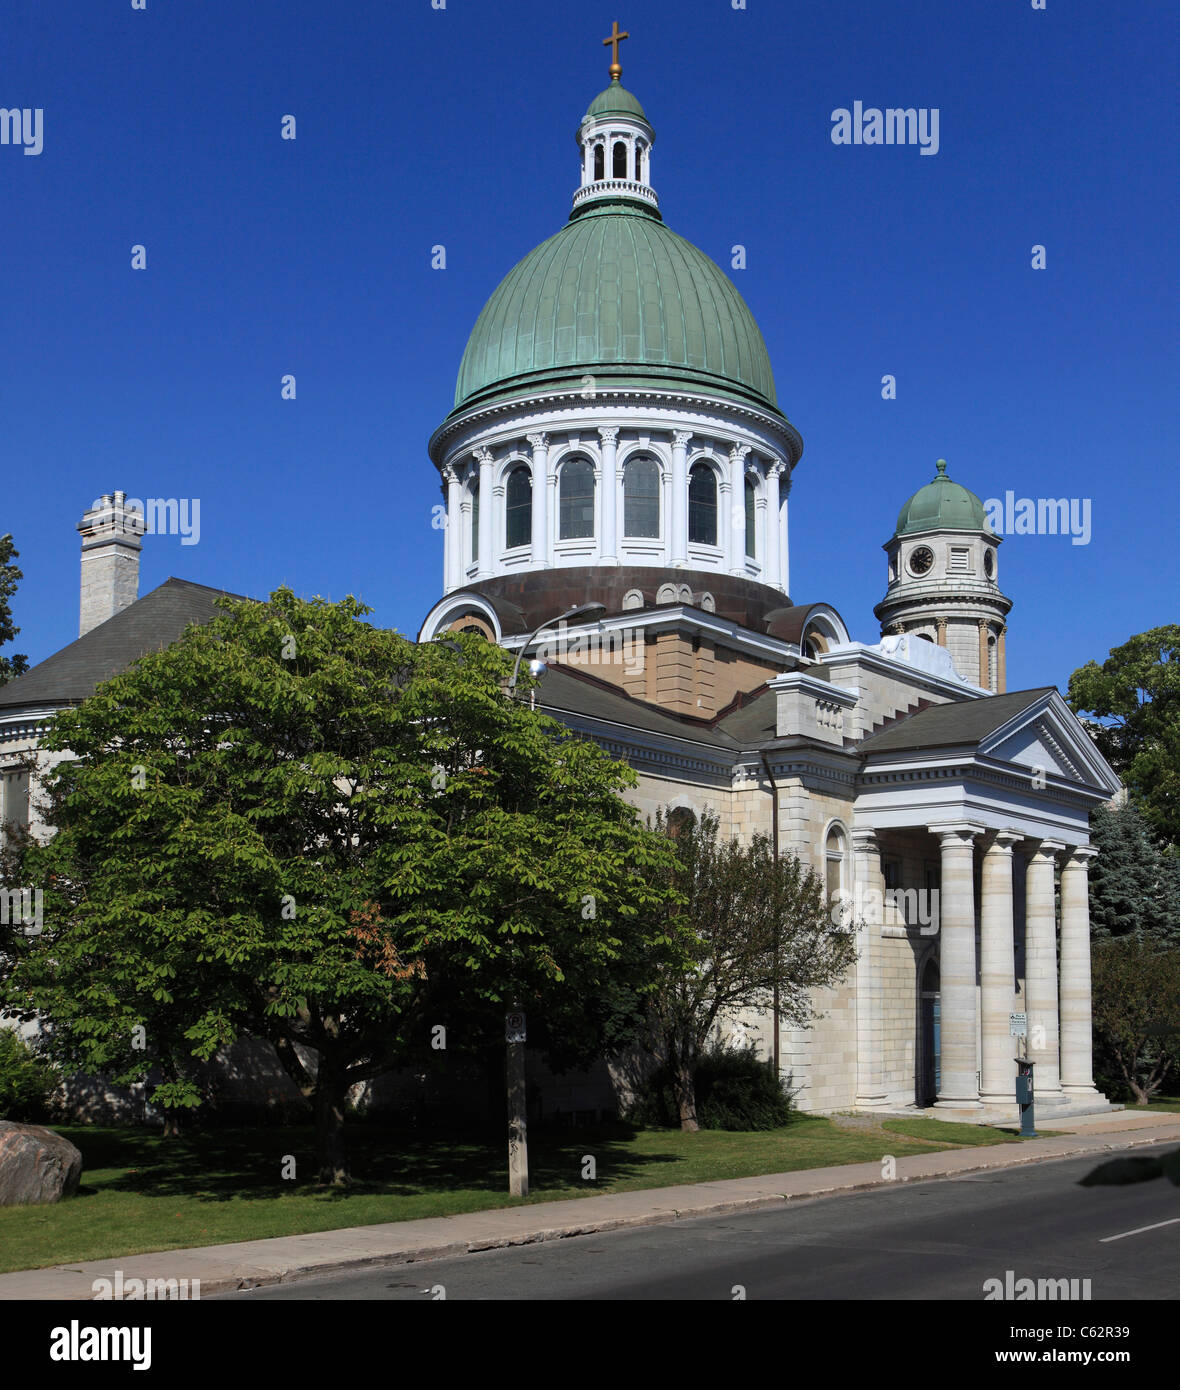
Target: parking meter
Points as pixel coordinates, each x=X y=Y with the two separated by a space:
x=1024 y=1096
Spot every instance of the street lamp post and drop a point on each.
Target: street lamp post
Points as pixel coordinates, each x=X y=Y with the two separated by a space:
x=582 y=610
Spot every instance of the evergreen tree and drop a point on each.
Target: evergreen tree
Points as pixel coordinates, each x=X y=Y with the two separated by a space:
x=1134 y=881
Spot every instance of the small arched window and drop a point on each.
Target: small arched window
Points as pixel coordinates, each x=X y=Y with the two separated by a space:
x=641 y=497
x=680 y=819
x=576 y=504
x=834 y=857
x=751 y=499
x=599 y=162
x=519 y=511
x=640 y=155
x=620 y=160
x=474 y=522
x=702 y=505
x=991 y=662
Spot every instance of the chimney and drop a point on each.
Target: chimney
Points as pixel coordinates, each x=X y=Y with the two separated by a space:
x=110 y=560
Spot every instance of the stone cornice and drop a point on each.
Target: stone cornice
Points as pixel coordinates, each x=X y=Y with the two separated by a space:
x=479 y=417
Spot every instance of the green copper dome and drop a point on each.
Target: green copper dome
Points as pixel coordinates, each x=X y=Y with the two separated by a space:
x=618 y=296
x=942 y=506
x=615 y=101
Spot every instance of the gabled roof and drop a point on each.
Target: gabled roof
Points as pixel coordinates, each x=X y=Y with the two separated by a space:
x=1028 y=728
x=148 y=625
x=951 y=725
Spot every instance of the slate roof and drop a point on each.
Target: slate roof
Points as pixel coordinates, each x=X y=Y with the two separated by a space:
x=953 y=725
x=148 y=625
x=565 y=691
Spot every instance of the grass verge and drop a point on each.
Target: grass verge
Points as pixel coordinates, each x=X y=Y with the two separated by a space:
x=141 y=1192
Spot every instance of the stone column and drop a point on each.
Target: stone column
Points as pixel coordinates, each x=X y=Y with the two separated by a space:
x=678 y=502
x=940 y=623
x=1001 y=661
x=1040 y=969
x=454 y=531
x=487 y=508
x=540 y=533
x=735 y=542
x=997 y=972
x=868 y=904
x=959 y=1070
x=609 y=550
x=771 y=571
x=984 y=674
x=1077 y=1066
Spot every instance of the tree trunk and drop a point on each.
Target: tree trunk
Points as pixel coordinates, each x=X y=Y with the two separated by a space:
x=686 y=1097
x=171 y=1124
x=329 y=1101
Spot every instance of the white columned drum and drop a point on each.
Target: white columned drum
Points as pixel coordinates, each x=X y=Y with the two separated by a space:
x=678 y=510
x=959 y=1065
x=540 y=529
x=1077 y=1062
x=454 y=531
x=997 y=973
x=609 y=553
x=770 y=557
x=1040 y=969
x=735 y=544
x=487 y=507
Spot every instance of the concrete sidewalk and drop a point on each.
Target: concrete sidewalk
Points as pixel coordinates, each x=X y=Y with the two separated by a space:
x=222 y=1268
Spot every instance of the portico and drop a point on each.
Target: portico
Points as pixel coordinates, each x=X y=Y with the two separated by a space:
x=992 y=859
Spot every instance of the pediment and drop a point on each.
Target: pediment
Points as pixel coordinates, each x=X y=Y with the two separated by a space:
x=1048 y=737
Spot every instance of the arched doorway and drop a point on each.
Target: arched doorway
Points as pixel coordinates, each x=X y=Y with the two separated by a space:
x=927 y=1077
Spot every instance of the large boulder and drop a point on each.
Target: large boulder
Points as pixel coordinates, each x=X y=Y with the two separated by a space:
x=36 y=1165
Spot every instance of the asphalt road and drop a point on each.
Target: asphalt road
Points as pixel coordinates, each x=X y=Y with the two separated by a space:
x=932 y=1240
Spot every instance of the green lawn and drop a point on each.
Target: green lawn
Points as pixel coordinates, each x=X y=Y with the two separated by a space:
x=140 y=1192
x=1168 y=1103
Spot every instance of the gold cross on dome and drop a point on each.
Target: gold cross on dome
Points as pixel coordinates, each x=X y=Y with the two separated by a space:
x=615 y=39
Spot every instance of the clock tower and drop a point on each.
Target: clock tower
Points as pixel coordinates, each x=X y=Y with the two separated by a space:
x=943 y=584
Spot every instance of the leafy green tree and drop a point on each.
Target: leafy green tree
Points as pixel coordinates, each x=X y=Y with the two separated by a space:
x=1134 y=881
x=1133 y=700
x=10 y=577
x=757 y=923
x=27 y=1082
x=293 y=825
x=1136 y=990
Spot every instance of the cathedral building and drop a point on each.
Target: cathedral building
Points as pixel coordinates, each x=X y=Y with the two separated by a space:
x=617 y=473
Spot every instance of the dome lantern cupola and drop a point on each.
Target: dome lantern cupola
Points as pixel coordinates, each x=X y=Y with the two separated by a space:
x=615 y=140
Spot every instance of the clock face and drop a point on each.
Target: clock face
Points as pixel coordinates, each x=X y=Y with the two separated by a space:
x=989 y=564
x=921 y=559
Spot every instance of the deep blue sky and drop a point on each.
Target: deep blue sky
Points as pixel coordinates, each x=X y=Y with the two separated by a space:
x=418 y=126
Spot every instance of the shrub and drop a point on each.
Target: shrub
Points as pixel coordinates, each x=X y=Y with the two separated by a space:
x=26 y=1081
x=735 y=1090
